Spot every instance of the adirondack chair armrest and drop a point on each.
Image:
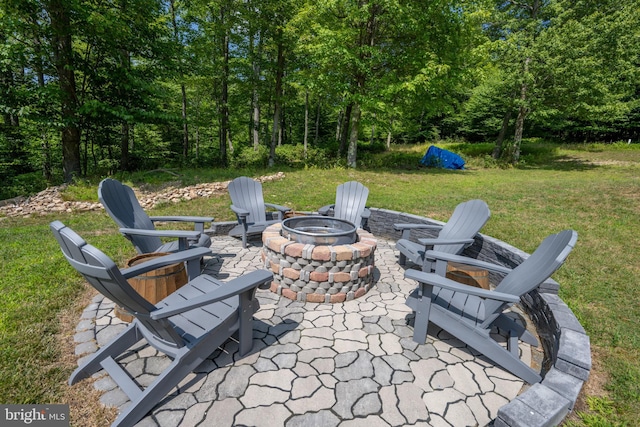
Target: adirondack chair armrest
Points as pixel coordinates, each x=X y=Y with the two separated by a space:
x=184 y=234
x=244 y=283
x=163 y=261
x=195 y=219
x=446 y=258
x=433 y=279
x=242 y=213
x=281 y=209
x=366 y=213
x=400 y=227
x=325 y=209
x=431 y=242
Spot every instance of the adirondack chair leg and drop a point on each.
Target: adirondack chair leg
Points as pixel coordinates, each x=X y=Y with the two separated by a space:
x=193 y=268
x=167 y=380
x=441 y=268
x=423 y=310
x=428 y=266
x=482 y=342
x=244 y=235
x=402 y=259
x=185 y=362
x=122 y=342
x=245 y=330
x=508 y=324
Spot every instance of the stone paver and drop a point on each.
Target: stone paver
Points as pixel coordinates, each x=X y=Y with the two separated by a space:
x=344 y=364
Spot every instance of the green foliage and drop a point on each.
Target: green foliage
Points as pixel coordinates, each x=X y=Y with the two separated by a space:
x=425 y=72
x=294 y=156
x=23 y=185
x=247 y=157
x=601 y=413
x=390 y=160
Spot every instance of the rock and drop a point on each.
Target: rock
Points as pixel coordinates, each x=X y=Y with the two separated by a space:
x=50 y=200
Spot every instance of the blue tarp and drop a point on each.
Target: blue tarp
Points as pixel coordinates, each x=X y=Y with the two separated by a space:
x=439 y=158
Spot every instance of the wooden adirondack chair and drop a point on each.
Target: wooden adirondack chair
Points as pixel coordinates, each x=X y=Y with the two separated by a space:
x=469 y=313
x=123 y=207
x=350 y=205
x=188 y=325
x=458 y=233
x=247 y=202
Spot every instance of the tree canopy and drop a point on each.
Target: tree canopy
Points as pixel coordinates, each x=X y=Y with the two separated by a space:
x=95 y=87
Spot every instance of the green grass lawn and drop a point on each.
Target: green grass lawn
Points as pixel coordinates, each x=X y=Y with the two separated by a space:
x=593 y=189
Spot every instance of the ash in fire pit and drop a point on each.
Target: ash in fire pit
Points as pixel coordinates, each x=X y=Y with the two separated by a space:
x=319 y=230
x=329 y=261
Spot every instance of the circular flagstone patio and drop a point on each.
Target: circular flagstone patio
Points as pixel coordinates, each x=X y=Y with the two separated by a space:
x=347 y=364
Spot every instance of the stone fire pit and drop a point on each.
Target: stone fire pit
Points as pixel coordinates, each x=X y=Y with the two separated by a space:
x=311 y=269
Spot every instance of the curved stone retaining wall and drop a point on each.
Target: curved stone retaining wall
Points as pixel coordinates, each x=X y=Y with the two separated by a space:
x=567 y=346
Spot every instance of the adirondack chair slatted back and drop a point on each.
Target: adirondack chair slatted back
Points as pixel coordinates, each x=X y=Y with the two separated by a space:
x=103 y=274
x=246 y=193
x=466 y=220
x=351 y=199
x=123 y=207
x=542 y=263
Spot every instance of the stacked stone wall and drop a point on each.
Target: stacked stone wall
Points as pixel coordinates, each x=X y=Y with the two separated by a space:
x=319 y=273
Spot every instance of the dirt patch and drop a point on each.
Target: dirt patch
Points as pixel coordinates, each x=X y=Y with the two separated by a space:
x=594 y=387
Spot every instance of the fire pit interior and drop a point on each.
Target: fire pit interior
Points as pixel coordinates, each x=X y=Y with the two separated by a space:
x=319 y=259
x=319 y=230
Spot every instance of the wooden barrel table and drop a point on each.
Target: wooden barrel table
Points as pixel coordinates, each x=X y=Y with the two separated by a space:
x=468 y=275
x=156 y=284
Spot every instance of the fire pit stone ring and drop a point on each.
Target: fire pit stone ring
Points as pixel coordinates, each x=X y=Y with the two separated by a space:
x=320 y=272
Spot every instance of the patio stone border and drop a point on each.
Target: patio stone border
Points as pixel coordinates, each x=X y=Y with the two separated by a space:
x=567 y=346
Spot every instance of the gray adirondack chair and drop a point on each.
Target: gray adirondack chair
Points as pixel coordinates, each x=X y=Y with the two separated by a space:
x=350 y=205
x=188 y=325
x=123 y=207
x=469 y=313
x=453 y=237
x=247 y=202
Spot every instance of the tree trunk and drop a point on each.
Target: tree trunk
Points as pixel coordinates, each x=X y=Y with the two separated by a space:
x=517 y=138
x=352 y=154
x=497 y=150
x=317 y=135
x=45 y=145
x=523 y=110
x=306 y=122
x=185 y=124
x=255 y=100
x=339 y=125
x=224 y=95
x=124 y=146
x=63 y=59
x=365 y=39
x=344 y=129
x=373 y=130
x=276 y=132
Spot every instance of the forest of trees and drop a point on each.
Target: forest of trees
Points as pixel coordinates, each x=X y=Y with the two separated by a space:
x=95 y=87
